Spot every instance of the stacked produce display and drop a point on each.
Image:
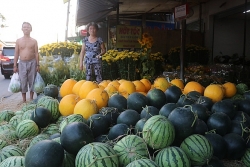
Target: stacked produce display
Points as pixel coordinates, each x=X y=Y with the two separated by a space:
x=122 y=123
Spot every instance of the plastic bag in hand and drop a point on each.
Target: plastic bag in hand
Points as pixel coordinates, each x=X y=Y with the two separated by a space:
x=39 y=83
x=15 y=85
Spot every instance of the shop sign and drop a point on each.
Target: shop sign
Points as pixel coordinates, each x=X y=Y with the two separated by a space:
x=181 y=12
x=127 y=36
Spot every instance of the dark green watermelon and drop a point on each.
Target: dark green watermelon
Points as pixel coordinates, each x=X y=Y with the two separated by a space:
x=201 y=111
x=137 y=101
x=184 y=100
x=41 y=116
x=224 y=106
x=218 y=143
x=118 y=101
x=220 y=123
x=128 y=117
x=183 y=120
x=76 y=135
x=194 y=95
x=205 y=101
x=167 y=108
x=156 y=97
x=99 y=124
x=111 y=113
x=51 y=90
x=118 y=131
x=148 y=112
x=200 y=127
x=173 y=94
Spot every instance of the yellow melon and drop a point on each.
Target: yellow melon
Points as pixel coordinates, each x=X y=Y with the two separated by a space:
x=86 y=87
x=110 y=89
x=139 y=86
x=86 y=108
x=115 y=83
x=178 y=82
x=146 y=83
x=67 y=87
x=161 y=83
x=77 y=86
x=100 y=96
x=126 y=88
x=67 y=104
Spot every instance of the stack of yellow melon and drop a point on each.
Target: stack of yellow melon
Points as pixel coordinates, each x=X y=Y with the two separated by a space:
x=87 y=97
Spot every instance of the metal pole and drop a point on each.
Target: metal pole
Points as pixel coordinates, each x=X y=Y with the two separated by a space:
x=67 y=22
x=183 y=45
x=245 y=30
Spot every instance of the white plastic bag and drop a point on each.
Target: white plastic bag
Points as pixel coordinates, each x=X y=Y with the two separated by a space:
x=15 y=84
x=39 y=83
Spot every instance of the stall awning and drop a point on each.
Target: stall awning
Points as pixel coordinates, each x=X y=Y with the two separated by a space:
x=93 y=10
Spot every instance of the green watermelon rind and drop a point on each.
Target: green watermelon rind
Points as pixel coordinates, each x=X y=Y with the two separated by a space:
x=97 y=154
x=26 y=128
x=130 y=148
x=198 y=149
x=144 y=162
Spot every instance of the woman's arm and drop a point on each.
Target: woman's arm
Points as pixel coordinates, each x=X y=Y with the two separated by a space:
x=82 y=53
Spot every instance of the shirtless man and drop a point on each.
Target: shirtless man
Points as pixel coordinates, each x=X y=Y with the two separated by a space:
x=26 y=51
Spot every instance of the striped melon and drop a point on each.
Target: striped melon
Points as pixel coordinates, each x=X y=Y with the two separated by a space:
x=13 y=161
x=69 y=160
x=26 y=128
x=14 y=121
x=3 y=143
x=6 y=115
x=53 y=106
x=130 y=148
x=42 y=100
x=198 y=149
x=60 y=119
x=70 y=119
x=51 y=129
x=97 y=154
x=19 y=112
x=246 y=157
x=158 y=132
x=142 y=163
x=7 y=132
x=40 y=137
x=9 y=151
x=172 y=156
x=27 y=114
x=30 y=106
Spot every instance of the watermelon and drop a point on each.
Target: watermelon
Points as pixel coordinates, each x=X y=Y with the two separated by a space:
x=236 y=146
x=28 y=106
x=13 y=161
x=26 y=128
x=172 y=156
x=218 y=143
x=156 y=98
x=184 y=100
x=27 y=114
x=14 y=121
x=118 y=131
x=51 y=90
x=220 y=122
x=142 y=163
x=198 y=149
x=148 y=112
x=167 y=108
x=53 y=106
x=3 y=143
x=183 y=120
x=10 y=150
x=246 y=157
x=128 y=117
x=74 y=136
x=45 y=153
x=173 y=94
x=214 y=162
x=200 y=127
x=41 y=116
x=201 y=111
x=137 y=101
x=51 y=129
x=40 y=137
x=130 y=148
x=111 y=113
x=99 y=124
x=158 y=132
x=69 y=160
x=224 y=106
x=205 y=101
x=97 y=154
x=118 y=101
x=6 y=115
x=71 y=118
x=139 y=127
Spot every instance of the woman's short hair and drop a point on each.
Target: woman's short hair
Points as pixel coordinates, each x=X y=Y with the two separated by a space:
x=92 y=24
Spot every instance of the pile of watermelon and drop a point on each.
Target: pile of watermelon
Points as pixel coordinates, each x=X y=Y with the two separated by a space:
x=156 y=129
